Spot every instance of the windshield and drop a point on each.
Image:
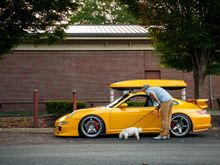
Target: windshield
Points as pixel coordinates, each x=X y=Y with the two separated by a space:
x=112 y=104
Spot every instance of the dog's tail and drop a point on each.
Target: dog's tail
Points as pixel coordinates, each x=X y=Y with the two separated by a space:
x=140 y=129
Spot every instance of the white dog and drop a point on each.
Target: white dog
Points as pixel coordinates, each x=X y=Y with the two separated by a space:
x=131 y=131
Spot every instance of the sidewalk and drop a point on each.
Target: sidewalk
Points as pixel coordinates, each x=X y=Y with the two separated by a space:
x=215 y=126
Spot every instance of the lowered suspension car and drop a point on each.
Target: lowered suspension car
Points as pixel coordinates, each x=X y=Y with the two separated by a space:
x=134 y=109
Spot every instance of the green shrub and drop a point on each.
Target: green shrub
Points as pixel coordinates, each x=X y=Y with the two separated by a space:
x=136 y=104
x=60 y=108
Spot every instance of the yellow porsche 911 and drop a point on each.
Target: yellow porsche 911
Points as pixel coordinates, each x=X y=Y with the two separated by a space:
x=134 y=109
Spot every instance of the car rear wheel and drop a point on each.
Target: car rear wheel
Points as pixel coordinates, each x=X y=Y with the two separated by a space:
x=91 y=126
x=180 y=125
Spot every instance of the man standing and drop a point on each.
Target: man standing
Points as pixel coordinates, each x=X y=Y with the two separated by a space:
x=164 y=99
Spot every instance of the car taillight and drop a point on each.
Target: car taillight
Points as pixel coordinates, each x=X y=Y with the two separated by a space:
x=202 y=112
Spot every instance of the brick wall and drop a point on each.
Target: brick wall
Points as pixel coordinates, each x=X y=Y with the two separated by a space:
x=56 y=73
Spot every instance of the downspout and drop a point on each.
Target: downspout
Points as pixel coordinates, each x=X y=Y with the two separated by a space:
x=210 y=92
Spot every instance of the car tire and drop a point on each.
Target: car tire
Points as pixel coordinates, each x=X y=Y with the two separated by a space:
x=91 y=126
x=180 y=125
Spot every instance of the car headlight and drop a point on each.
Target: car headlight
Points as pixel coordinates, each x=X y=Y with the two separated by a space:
x=62 y=123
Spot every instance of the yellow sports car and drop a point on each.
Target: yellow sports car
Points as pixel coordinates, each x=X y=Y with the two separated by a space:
x=134 y=109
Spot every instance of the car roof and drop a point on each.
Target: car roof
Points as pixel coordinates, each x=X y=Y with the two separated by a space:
x=138 y=84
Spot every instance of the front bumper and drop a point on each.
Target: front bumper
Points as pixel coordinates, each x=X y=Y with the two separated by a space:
x=65 y=130
x=65 y=126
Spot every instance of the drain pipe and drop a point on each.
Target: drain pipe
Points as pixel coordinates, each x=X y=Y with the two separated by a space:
x=36 y=97
x=210 y=92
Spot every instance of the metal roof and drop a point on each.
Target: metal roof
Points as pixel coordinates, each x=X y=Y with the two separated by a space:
x=107 y=30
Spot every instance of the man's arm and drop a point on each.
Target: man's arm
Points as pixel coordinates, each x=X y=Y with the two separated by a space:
x=154 y=97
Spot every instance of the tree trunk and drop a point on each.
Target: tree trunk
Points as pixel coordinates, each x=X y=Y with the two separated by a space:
x=199 y=77
x=200 y=57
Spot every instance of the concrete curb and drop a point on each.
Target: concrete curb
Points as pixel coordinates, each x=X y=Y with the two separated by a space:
x=26 y=130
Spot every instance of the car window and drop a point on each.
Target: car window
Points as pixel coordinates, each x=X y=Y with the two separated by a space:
x=112 y=104
x=140 y=101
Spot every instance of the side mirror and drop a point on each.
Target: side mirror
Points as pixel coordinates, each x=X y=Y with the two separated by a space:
x=123 y=105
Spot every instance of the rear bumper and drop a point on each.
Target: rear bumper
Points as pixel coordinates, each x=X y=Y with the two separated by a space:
x=201 y=123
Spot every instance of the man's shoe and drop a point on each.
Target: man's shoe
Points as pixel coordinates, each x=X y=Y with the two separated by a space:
x=159 y=137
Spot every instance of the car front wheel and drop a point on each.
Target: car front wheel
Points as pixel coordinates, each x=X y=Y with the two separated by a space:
x=91 y=126
x=180 y=125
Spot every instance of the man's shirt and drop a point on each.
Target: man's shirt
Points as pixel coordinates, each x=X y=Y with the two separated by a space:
x=162 y=94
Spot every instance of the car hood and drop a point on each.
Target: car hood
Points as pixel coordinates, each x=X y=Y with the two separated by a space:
x=80 y=112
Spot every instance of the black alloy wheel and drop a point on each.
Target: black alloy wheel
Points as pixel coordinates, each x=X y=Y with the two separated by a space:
x=180 y=125
x=91 y=126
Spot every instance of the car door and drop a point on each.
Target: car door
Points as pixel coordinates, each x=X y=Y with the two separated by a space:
x=135 y=113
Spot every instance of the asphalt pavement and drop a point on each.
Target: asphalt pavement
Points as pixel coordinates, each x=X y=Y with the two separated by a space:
x=45 y=149
x=38 y=146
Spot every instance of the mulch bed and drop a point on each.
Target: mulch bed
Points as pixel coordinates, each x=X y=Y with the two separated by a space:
x=26 y=122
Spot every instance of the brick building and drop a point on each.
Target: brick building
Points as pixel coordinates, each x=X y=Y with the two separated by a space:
x=88 y=60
